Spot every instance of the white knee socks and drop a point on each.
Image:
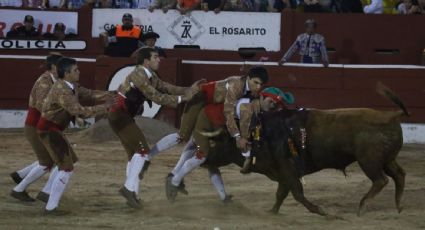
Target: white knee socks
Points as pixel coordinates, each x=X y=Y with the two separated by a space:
x=36 y=172
x=58 y=187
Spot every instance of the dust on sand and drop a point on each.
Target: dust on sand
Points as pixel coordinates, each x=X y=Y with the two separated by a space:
x=93 y=198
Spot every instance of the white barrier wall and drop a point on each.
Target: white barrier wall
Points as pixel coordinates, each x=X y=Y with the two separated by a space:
x=412 y=133
x=223 y=31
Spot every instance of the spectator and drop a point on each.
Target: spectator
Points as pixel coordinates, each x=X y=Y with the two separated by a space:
x=76 y=4
x=375 y=7
x=312 y=6
x=32 y=3
x=123 y=4
x=58 y=33
x=122 y=40
x=311 y=46
x=165 y=5
x=185 y=6
x=143 y=4
x=239 y=5
x=102 y=3
x=422 y=5
x=149 y=40
x=54 y=4
x=12 y=3
x=26 y=31
x=409 y=7
x=278 y=5
x=348 y=6
x=214 y=5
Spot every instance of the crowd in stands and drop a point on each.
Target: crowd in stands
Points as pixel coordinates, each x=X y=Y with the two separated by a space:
x=27 y=30
x=337 y=6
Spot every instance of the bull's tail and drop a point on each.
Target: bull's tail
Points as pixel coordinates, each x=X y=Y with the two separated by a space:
x=389 y=94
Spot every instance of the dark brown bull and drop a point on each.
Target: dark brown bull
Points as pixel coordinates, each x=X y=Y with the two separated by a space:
x=335 y=139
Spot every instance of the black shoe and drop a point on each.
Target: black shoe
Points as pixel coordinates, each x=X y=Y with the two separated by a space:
x=228 y=199
x=182 y=187
x=42 y=196
x=22 y=196
x=144 y=169
x=56 y=212
x=246 y=168
x=130 y=197
x=16 y=178
x=170 y=189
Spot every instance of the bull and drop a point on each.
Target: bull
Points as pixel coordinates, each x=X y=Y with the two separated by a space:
x=335 y=139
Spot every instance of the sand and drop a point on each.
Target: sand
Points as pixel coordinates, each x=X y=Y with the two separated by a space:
x=93 y=198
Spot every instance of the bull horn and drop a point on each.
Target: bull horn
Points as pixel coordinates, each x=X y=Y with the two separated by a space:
x=211 y=133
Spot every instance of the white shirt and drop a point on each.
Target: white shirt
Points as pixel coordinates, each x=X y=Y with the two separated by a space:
x=15 y=3
x=246 y=87
x=143 y=4
x=54 y=3
x=53 y=77
x=375 y=7
x=69 y=84
x=402 y=9
x=148 y=72
x=238 y=106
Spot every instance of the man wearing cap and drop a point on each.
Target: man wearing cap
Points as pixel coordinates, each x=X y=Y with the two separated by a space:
x=122 y=40
x=271 y=98
x=58 y=33
x=149 y=40
x=25 y=31
x=311 y=46
x=246 y=111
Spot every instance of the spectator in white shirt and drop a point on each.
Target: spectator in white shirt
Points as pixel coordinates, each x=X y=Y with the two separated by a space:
x=409 y=7
x=13 y=3
x=143 y=4
x=375 y=7
x=54 y=3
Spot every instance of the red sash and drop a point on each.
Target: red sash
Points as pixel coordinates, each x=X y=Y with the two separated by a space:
x=215 y=114
x=46 y=125
x=120 y=105
x=33 y=117
x=209 y=90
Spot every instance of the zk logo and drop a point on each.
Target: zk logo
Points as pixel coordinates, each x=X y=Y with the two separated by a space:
x=186 y=29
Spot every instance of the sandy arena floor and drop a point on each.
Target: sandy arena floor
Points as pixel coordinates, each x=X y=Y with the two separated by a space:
x=93 y=198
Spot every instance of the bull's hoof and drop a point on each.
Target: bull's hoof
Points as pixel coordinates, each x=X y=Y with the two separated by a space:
x=361 y=211
x=273 y=211
x=334 y=217
x=321 y=211
x=400 y=209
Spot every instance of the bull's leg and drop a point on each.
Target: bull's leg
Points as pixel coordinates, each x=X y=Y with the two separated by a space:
x=375 y=173
x=281 y=194
x=396 y=172
x=298 y=193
